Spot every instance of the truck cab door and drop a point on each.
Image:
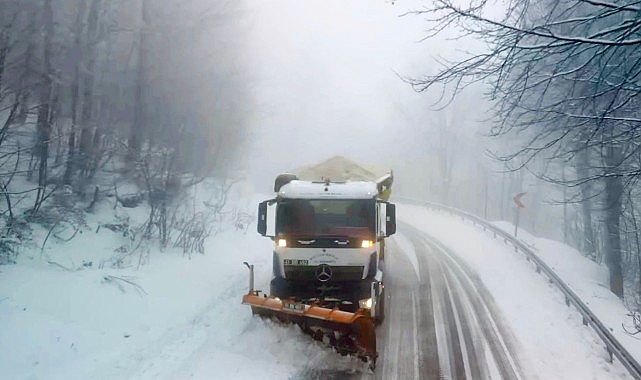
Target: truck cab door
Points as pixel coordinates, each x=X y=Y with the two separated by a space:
x=266 y=217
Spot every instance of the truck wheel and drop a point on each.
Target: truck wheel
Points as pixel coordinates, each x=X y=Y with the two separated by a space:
x=279 y=287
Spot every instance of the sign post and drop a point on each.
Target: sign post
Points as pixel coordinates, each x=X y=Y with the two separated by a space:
x=519 y=206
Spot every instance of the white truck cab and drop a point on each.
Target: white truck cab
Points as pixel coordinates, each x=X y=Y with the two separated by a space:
x=328 y=240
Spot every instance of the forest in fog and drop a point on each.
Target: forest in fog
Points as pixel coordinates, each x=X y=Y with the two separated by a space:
x=98 y=95
x=564 y=80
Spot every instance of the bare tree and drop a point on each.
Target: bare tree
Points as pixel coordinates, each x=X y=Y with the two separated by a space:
x=76 y=52
x=566 y=76
x=78 y=87
x=136 y=132
x=46 y=106
x=87 y=75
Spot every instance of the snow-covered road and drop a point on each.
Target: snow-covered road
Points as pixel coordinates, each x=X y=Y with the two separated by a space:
x=549 y=338
x=472 y=341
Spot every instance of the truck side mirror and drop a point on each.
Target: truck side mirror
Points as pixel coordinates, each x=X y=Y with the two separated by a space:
x=262 y=218
x=390 y=219
x=266 y=211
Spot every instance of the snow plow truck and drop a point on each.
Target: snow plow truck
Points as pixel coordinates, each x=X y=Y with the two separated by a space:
x=328 y=223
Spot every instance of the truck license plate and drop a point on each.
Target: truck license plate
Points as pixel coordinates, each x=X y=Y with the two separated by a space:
x=295 y=262
x=297 y=307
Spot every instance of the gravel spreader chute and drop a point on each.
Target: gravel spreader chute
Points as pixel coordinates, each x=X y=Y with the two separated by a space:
x=350 y=333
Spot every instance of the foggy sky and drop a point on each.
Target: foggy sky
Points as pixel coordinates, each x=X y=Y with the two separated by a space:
x=323 y=79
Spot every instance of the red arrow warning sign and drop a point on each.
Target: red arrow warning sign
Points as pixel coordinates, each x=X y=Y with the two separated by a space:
x=517 y=200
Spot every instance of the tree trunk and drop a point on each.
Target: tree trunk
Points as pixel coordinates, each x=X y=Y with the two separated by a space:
x=25 y=87
x=566 y=223
x=136 y=133
x=613 y=209
x=45 y=106
x=71 y=163
x=88 y=75
x=4 y=50
x=582 y=168
x=635 y=246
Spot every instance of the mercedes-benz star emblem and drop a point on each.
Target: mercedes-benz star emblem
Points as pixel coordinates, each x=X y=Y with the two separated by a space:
x=324 y=273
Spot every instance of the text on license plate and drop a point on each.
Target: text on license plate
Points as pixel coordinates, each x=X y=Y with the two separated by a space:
x=297 y=307
x=295 y=262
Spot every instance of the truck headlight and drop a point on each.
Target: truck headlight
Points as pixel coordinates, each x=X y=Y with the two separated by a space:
x=367 y=244
x=282 y=242
x=365 y=304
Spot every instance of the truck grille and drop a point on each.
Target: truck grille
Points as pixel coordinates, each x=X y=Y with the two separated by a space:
x=308 y=273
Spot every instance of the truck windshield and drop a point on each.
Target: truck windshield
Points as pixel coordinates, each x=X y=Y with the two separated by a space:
x=326 y=217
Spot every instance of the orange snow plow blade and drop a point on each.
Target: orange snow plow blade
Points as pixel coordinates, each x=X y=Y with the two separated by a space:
x=349 y=333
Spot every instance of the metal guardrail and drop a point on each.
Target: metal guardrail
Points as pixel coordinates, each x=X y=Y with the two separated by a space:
x=613 y=347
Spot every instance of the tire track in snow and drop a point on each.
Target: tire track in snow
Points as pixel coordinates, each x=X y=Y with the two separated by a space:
x=468 y=314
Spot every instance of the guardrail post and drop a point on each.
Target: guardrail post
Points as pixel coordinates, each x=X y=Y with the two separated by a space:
x=611 y=356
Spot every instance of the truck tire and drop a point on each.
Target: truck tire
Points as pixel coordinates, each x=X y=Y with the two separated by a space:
x=279 y=287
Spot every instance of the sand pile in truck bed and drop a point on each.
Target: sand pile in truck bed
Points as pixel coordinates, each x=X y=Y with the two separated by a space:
x=339 y=169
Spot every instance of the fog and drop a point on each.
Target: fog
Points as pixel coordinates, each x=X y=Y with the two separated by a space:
x=263 y=87
x=297 y=82
x=326 y=80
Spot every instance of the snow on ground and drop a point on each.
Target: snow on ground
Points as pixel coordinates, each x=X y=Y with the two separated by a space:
x=553 y=342
x=63 y=320
x=178 y=317
x=589 y=280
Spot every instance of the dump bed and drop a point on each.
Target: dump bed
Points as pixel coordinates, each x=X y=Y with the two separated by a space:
x=342 y=169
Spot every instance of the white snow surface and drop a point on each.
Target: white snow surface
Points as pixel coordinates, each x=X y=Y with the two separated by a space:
x=181 y=317
x=552 y=341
